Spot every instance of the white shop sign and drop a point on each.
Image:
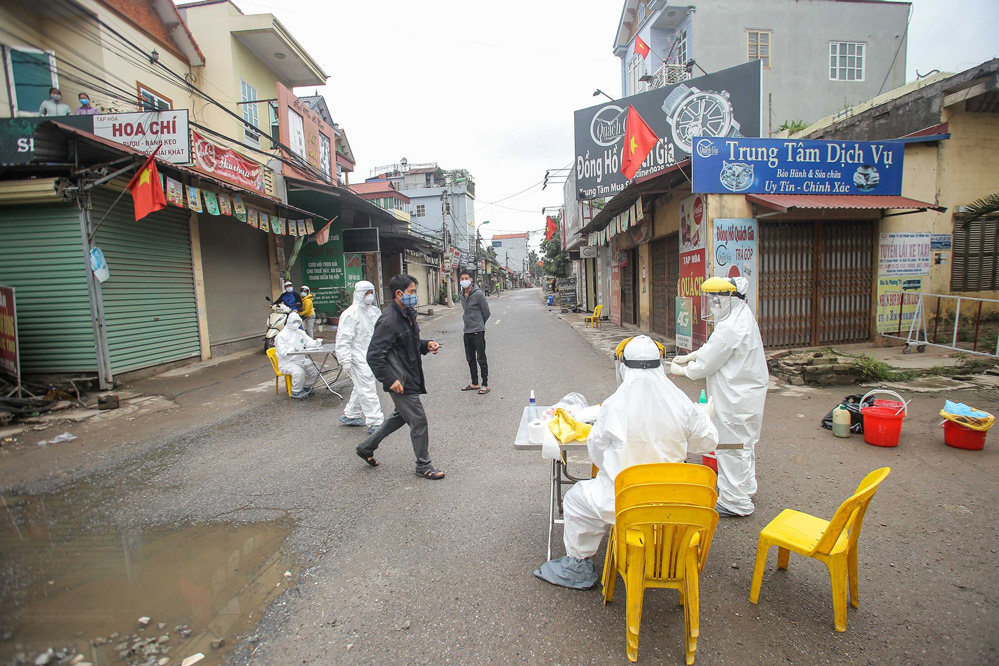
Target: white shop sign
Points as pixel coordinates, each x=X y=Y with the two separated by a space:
x=146 y=130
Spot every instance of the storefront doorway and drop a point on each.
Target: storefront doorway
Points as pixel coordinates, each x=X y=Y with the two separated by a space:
x=815 y=282
x=629 y=294
x=665 y=274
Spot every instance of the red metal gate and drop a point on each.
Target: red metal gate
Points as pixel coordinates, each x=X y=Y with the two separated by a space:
x=815 y=282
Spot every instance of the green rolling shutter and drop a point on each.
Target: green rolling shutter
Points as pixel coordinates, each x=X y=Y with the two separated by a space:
x=42 y=257
x=149 y=300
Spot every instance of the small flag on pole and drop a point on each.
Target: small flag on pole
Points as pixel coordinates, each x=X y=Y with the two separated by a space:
x=146 y=189
x=323 y=235
x=641 y=48
x=639 y=140
x=550 y=228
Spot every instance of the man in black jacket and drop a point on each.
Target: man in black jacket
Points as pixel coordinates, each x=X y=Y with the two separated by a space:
x=395 y=357
x=474 y=317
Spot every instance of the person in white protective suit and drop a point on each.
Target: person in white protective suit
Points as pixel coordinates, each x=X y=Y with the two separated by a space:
x=357 y=323
x=735 y=367
x=303 y=372
x=647 y=420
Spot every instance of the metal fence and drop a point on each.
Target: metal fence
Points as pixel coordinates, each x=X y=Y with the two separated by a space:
x=960 y=323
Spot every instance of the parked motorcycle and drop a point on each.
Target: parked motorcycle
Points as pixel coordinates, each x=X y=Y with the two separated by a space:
x=275 y=321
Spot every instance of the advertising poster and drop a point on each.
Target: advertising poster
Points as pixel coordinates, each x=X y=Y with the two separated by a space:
x=692 y=231
x=735 y=253
x=721 y=104
x=791 y=166
x=325 y=270
x=684 y=319
x=903 y=274
x=227 y=164
x=693 y=270
x=9 y=362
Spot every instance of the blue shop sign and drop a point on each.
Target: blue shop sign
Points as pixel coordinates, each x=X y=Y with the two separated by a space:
x=787 y=166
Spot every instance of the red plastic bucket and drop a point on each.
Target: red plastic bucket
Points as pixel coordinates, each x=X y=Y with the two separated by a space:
x=710 y=460
x=882 y=425
x=959 y=437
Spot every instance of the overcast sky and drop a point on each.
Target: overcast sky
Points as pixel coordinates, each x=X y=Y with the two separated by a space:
x=491 y=86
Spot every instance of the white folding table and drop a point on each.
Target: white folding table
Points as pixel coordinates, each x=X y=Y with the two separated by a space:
x=325 y=351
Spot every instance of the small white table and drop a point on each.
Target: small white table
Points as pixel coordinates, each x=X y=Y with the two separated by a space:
x=559 y=476
x=325 y=351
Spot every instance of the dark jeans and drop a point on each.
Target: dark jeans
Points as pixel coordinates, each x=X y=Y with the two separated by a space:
x=475 y=347
x=408 y=411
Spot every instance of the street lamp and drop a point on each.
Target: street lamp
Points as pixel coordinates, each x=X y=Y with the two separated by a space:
x=598 y=91
x=478 y=246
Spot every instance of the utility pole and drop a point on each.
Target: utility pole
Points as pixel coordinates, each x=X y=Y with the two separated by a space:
x=445 y=204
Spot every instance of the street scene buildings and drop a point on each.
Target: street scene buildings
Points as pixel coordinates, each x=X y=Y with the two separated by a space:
x=745 y=294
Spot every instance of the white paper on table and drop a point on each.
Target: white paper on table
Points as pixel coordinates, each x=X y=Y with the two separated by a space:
x=549 y=446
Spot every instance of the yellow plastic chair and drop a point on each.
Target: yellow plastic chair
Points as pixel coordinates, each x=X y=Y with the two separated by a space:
x=665 y=546
x=272 y=355
x=665 y=473
x=832 y=542
x=594 y=318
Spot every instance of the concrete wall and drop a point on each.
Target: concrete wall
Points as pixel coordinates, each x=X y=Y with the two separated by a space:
x=801 y=32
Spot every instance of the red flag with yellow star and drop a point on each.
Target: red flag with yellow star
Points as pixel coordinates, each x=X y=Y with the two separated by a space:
x=146 y=189
x=639 y=139
x=641 y=48
x=550 y=228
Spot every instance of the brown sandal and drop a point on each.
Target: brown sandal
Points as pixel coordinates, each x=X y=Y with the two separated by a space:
x=470 y=388
x=484 y=390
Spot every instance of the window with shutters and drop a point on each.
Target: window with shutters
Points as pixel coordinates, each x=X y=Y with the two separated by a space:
x=30 y=74
x=758 y=46
x=150 y=100
x=975 y=255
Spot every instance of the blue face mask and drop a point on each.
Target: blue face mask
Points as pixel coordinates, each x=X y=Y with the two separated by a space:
x=409 y=300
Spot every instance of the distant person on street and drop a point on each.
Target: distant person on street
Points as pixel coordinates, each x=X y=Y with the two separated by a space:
x=301 y=368
x=307 y=311
x=289 y=298
x=395 y=358
x=353 y=335
x=85 y=108
x=54 y=105
x=474 y=316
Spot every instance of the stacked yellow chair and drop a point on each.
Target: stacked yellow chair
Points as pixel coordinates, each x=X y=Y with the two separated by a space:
x=832 y=542
x=665 y=520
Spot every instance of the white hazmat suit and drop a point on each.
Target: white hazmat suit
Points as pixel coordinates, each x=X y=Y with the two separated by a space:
x=735 y=367
x=293 y=338
x=647 y=420
x=357 y=323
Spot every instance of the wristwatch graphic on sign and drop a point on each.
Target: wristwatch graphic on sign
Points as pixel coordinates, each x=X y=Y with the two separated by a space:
x=691 y=113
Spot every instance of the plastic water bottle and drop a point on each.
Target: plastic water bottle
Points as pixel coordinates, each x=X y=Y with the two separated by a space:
x=532 y=409
x=704 y=397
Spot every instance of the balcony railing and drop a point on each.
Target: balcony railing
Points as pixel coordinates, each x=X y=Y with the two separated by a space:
x=669 y=74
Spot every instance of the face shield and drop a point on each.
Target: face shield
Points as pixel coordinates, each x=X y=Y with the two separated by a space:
x=715 y=307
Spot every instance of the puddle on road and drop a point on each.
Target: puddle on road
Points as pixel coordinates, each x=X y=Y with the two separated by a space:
x=64 y=584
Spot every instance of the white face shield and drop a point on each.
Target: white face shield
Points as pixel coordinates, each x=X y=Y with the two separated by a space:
x=716 y=306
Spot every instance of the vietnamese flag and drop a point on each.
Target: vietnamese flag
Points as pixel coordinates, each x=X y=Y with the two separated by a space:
x=146 y=189
x=639 y=139
x=641 y=48
x=550 y=228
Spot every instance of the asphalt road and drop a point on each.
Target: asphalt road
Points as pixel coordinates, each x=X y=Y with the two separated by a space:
x=393 y=568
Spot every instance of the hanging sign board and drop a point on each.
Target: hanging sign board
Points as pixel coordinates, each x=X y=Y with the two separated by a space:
x=227 y=164
x=787 y=166
x=146 y=130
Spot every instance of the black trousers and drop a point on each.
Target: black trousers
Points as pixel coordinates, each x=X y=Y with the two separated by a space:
x=475 y=348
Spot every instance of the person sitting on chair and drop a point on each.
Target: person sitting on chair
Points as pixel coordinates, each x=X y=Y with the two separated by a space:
x=303 y=371
x=647 y=420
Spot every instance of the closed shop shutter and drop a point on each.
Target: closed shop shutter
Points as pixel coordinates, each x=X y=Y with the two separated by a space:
x=237 y=278
x=672 y=281
x=628 y=290
x=42 y=257
x=660 y=305
x=149 y=302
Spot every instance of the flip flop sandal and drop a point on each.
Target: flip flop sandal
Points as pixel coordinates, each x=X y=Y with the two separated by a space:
x=484 y=390
x=433 y=474
x=470 y=388
x=370 y=460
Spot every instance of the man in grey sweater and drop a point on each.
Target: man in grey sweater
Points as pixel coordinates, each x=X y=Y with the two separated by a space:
x=475 y=315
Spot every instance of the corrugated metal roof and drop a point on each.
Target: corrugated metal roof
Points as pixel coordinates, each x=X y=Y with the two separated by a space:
x=786 y=202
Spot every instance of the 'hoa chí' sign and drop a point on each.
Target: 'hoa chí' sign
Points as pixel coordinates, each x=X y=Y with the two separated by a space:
x=789 y=166
x=146 y=130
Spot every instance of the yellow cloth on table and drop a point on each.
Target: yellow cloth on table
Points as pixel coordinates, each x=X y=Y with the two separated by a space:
x=567 y=429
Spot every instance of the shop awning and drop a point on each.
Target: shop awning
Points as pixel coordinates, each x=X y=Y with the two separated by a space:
x=656 y=183
x=784 y=203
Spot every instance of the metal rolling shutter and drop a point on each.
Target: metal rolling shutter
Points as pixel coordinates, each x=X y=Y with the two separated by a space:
x=149 y=300
x=660 y=304
x=42 y=257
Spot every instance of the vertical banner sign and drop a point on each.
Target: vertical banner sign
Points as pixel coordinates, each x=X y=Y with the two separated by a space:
x=903 y=270
x=693 y=270
x=684 y=321
x=325 y=270
x=10 y=361
x=735 y=253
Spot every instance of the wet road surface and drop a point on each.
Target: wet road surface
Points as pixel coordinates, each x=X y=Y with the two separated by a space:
x=388 y=567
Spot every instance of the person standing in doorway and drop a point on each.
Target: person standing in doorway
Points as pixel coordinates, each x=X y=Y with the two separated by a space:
x=307 y=311
x=395 y=357
x=474 y=316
